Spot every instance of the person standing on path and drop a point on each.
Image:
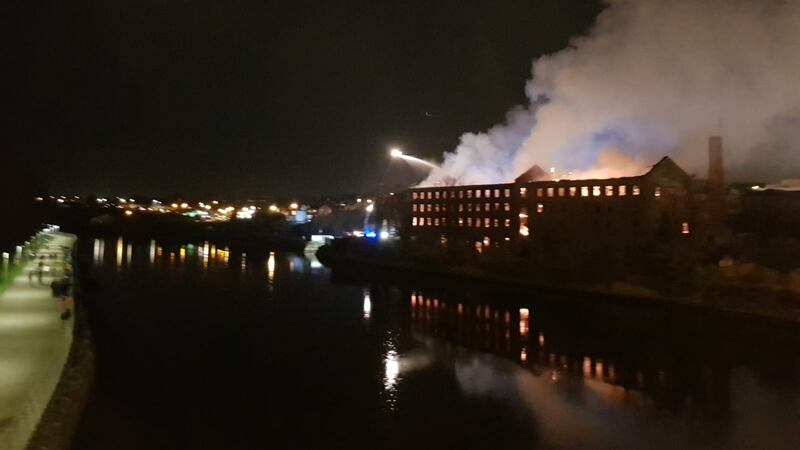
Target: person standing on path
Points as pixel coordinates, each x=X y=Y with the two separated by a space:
x=67 y=305
x=40 y=272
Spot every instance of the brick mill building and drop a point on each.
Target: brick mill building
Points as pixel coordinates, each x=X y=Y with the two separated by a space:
x=615 y=222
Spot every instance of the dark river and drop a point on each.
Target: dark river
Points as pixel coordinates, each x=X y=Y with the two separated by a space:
x=201 y=346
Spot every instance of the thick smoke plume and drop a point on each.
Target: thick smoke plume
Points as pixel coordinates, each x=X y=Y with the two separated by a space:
x=654 y=78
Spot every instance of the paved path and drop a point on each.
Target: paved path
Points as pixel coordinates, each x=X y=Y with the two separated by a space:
x=34 y=345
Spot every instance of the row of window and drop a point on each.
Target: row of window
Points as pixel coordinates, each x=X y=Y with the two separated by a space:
x=462 y=193
x=477 y=222
x=586 y=191
x=621 y=190
x=469 y=207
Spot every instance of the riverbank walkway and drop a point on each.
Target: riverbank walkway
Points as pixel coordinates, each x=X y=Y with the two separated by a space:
x=34 y=344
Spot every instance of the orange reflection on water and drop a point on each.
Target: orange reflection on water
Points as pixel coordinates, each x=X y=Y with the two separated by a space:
x=119 y=252
x=524 y=327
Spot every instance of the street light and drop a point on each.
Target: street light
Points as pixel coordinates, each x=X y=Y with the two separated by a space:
x=396 y=153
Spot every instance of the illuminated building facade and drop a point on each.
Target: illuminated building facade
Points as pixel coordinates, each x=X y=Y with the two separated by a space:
x=552 y=220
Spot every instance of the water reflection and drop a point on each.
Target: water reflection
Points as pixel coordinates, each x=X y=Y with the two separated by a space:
x=119 y=252
x=99 y=250
x=366 y=304
x=608 y=388
x=152 y=252
x=486 y=328
x=204 y=256
x=271 y=267
x=516 y=369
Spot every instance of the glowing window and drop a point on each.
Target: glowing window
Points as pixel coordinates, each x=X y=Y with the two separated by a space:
x=487 y=206
x=550 y=192
x=507 y=223
x=414 y=195
x=436 y=222
x=497 y=206
x=477 y=206
x=507 y=206
x=436 y=195
x=609 y=191
x=523 y=192
x=461 y=221
x=477 y=222
x=469 y=206
x=469 y=194
x=623 y=190
x=444 y=221
x=414 y=207
x=685 y=228
x=657 y=192
x=584 y=191
x=573 y=191
x=539 y=208
x=428 y=221
x=460 y=194
x=496 y=223
x=487 y=193
x=635 y=190
x=452 y=194
x=414 y=221
x=523 y=223
x=460 y=207
x=469 y=221
x=477 y=193
x=436 y=207
x=596 y=191
x=539 y=192
x=507 y=193
x=487 y=222
x=561 y=192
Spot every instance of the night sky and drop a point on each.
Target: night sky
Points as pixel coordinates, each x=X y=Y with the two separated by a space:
x=248 y=98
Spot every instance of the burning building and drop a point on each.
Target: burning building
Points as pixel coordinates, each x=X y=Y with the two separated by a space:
x=563 y=223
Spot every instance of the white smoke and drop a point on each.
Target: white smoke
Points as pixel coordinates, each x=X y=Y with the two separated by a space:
x=655 y=78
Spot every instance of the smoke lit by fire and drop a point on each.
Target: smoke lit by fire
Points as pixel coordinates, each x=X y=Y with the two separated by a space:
x=654 y=78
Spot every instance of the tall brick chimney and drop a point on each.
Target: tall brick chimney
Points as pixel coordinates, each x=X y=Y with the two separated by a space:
x=716 y=174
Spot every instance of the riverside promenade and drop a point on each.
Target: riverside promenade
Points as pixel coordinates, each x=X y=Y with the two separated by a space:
x=34 y=345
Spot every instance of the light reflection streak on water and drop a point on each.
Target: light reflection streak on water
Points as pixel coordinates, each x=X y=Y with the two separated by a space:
x=99 y=250
x=119 y=252
x=244 y=261
x=271 y=267
x=392 y=369
x=524 y=327
x=152 y=252
x=366 y=304
x=128 y=253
